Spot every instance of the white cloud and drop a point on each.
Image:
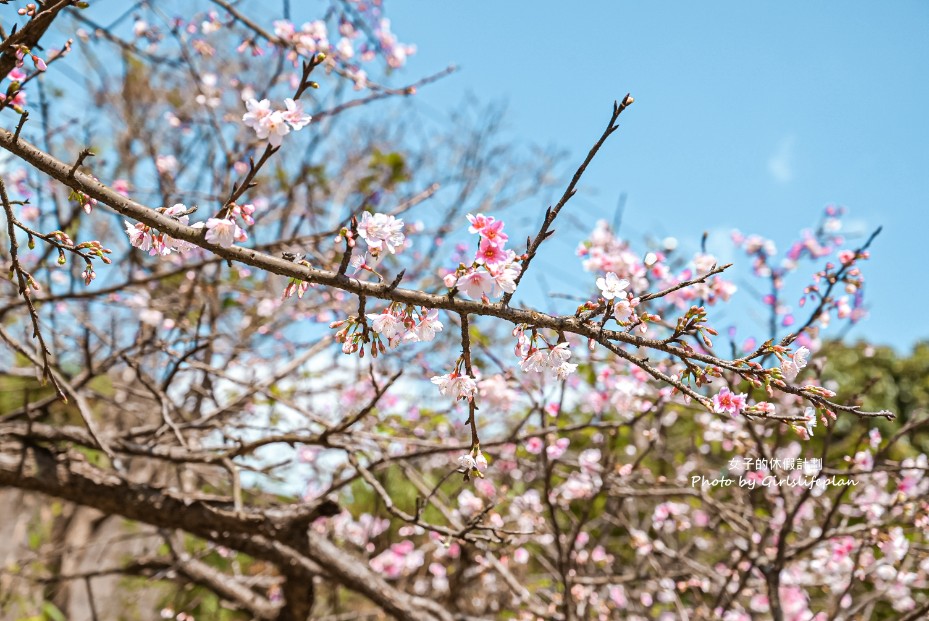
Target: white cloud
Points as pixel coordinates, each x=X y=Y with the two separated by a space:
x=780 y=164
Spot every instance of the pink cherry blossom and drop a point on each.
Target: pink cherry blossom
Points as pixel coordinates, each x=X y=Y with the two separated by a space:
x=467 y=463
x=145 y=238
x=791 y=367
x=476 y=284
x=726 y=401
x=426 y=329
x=492 y=232
x=258 y=111
x=810 y=415
x=556 y=450
x=224 y=232
x=139 y=235
x=469 y=504
x=490 y=254
x=534 y=445
x=505 y=277
x=273 y=128
x=295 y=115
x=456 y=385
x=623 y=309
x=704 y=263
x=554 y=359
x=478 y=222
x=846 y=257
x=381 y=232
x=387 y=325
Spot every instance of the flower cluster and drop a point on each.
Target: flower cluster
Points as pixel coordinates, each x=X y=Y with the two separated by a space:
x=381 y=232
x=224 y=232
x=396 y=324
x=544 y=358
x=727 y=401
x=273 y=125
x=456 y=385
x=605 y=253
x=846 y=273
x=314 y=37
x=825 y=240
x=145 y=237
x=791 y=365
x=473 y=464
x=398 y=560
x=22 y=51
x=406 y=326
x=614 y=288
x=309 y=40
x=494 y=270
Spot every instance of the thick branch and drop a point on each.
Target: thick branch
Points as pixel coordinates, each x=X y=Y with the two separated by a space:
x=38 y=469
x=384 y=290
x=29 y=35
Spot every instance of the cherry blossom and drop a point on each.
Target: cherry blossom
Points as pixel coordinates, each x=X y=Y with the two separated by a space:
x=623 y=309
x=258 y=111
x=387 y=325
x=704 y=263
x=273 y=128
x=224 y=232
x=505 y=277
x=426 y=329
x=557 y=449
x=474 y=463
x=456 y=385
x=295 y=115
x=810 y=415
x=476 y=284
x=496 y=393
x=612 y=286
x=552 y=359
x=145 y=238
x=139 y=235
x=273 y=125
x=381 y=232
x=490 y=253
x=479 y=222
x=790 y=367
x=492 y=232
x=726 y=401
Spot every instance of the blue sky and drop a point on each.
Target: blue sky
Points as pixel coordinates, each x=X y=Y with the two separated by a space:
x=747 y=115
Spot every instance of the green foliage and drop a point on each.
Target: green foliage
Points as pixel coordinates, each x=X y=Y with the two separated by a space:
x=880 y=378
x=387 y=170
